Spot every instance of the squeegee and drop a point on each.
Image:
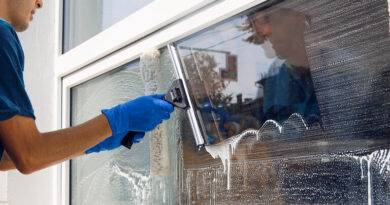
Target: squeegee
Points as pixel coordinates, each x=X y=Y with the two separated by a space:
x=178 y=96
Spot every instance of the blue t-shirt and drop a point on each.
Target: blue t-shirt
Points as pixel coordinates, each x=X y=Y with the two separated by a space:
x=289 y=91
x=13 y=96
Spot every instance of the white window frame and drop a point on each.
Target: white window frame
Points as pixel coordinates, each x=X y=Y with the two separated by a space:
x=132 y=28
x=92 y=59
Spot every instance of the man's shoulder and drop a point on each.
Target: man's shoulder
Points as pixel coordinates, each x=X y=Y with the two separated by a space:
x=9 y=42
x=6 y=30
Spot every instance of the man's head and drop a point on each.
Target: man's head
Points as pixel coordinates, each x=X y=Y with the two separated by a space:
x=283 y=28
x=19 y=13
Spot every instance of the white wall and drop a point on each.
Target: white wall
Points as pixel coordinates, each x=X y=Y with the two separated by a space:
x=39 y=47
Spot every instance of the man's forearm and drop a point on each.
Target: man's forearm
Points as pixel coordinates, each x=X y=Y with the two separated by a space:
x=72 y=142
x=31 y=150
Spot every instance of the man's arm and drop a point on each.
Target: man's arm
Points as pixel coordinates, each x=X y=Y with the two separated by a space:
x=31 y=150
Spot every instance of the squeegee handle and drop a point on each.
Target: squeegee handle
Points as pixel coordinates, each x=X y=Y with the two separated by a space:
x=127 y=141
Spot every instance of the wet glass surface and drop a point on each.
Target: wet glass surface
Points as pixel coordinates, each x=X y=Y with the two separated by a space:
x=306 y=123
x=294 y=101
x=84 y=19
x=293 y=65
x=148 y=173
x=103 y=178
x=321 y=179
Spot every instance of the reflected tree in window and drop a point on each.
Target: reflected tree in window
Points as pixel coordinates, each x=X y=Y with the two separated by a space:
x=207 y=81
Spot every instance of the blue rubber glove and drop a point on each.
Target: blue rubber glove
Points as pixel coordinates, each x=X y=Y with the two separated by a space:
x=140 y=115
x=114 y=142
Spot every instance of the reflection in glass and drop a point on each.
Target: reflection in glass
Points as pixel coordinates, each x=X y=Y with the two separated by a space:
x=257 y=69
x=234 y=92
x=287 y=87
x=293 y=97
x=84 y=19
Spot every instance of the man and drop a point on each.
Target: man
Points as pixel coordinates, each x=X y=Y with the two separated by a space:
x=22 y=146
x=288 y=86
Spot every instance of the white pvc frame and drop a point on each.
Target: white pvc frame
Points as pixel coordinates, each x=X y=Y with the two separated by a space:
x=134 y=27
x=85 y=62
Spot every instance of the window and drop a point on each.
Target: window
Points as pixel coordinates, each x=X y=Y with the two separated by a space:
x=84 y=19
x=129 y=31
x=93 y=177
x=288 y=95
x=291 y=98
x=125 y=176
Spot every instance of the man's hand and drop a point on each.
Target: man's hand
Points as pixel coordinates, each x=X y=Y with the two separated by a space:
x=140 y=115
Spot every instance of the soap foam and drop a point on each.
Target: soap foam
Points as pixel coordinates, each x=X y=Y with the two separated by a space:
x=226 y=149
x=380 y=157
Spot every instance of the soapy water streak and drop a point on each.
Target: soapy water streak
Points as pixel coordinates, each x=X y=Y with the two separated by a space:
x=380 y=157
x=149 y=64
x=140 y=184
x=226 y=149
x=388 y=8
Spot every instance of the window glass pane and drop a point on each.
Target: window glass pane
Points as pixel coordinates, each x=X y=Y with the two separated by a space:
x=149 y=172
x=294 y=100
x=295 y=66
x=320 y=138
x=101 y=178
x=84 y=19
